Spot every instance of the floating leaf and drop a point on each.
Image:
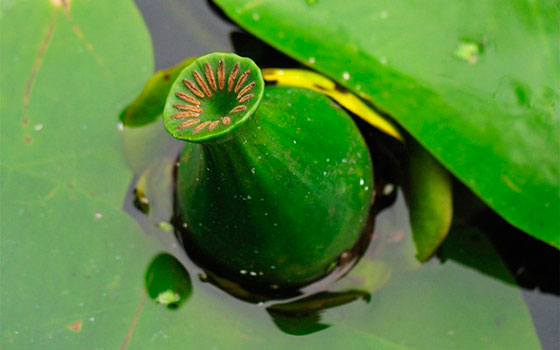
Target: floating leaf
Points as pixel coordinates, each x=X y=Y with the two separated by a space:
x=149 y=104
x=167 y=281
x=476 y=83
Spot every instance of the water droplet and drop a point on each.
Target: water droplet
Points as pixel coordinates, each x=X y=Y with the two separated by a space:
x=243 y=272
x=295 y=142
x=253 y=171
x=345 y=75
x=324 y=173
x=98 y=215
x=344 y=160
x=388 y=189
x=311 y=60
x=38 y=127
x=256 y=16
x=120 y=126
x=362 y=182
x=252 y=273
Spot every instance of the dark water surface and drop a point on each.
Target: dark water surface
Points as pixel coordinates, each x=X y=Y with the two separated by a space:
x=191 y=28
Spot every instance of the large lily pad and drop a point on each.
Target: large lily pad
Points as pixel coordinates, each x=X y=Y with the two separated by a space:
x=475 y=82
x=69 y=274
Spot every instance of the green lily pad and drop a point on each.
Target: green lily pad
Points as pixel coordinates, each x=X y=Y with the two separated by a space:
x=69 y=271
x=474 y=82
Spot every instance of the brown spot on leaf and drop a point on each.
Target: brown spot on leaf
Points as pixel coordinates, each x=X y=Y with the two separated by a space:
x=128 y=335
x=43 y=46
x=75 y=326
x=65 y=4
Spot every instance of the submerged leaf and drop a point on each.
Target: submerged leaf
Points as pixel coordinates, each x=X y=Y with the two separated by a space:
x=429 y=198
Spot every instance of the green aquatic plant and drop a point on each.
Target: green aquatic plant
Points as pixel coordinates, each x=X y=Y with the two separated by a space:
x=274 y=184
x=212 y=97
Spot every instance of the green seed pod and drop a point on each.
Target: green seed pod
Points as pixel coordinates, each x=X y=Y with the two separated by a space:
x=275 y=202
x=212 y=97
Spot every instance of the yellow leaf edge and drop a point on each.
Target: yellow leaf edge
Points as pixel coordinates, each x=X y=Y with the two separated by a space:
x=317 y=82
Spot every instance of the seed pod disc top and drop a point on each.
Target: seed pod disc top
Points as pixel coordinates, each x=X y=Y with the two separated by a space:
x=212 y=97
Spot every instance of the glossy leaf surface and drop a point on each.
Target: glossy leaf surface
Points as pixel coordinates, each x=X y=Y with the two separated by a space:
x=475 y=82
